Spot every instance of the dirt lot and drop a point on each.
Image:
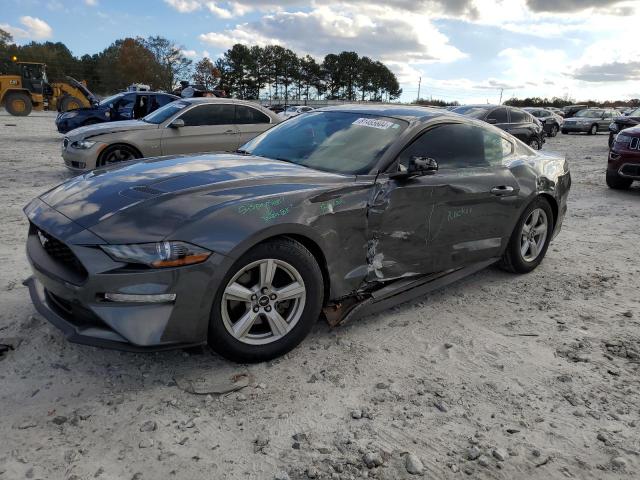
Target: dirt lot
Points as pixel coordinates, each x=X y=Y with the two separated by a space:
x=498 y=376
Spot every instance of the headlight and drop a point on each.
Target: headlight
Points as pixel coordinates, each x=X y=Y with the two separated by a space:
x=82 y=144
x=107 y=114
x=158 y=255
x=613 y=127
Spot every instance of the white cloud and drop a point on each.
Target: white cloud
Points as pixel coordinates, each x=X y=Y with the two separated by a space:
x=34 y=29
x=91 y=3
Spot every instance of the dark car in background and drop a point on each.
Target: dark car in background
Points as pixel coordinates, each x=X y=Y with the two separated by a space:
x=623 y=167
x=571 y=110
x=344 y=210
x=619 y=123
x=550 y=120
x=590 y=120
x=121 y=106
x=516 y=121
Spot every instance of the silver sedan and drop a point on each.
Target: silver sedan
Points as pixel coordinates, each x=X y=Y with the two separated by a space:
x=184 y=126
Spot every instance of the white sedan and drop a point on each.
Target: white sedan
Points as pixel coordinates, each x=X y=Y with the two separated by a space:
x=294 y=111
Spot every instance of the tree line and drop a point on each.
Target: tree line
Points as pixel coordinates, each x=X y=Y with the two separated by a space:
x=275 y=72
x=248 y=72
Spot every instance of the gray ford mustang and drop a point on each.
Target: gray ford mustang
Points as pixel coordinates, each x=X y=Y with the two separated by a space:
x=340 y=212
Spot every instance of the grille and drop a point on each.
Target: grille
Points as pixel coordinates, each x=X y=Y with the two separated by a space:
x=630 y=170
x=60 y=252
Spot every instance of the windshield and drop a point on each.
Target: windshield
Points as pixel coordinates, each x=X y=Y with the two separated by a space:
x=589 y=113
x=471 y=111
x=634 y=113
x=339 y=142
x=165 y=112
x=291 y=109
x=111 y=99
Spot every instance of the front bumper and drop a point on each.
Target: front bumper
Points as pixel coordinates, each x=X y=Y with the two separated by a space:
x=624 y=162
x=71 y=295
x=81 y=160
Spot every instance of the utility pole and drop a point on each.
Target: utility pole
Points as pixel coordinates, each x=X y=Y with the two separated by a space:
x=419 y=83
x=501 y=90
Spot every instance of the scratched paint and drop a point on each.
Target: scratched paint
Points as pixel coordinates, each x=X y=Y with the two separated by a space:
x=456 y=213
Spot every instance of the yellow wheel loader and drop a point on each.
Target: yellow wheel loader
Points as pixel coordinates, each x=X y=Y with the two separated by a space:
x=29 y=90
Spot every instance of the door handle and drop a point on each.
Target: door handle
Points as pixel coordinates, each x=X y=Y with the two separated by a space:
x=502 y=190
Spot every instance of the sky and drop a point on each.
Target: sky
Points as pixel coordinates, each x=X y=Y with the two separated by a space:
x=465 y=50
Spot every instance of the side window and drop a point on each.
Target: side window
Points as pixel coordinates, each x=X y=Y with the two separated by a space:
x=499 y=115
x=247 y=115
x=518 y=116
x=140 y=109
x=126 y=103
x=459 y=146
x=162 y=100
x=203 y=115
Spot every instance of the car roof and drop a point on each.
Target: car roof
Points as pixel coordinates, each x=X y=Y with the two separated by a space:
x=402 y=112
x=221 y=100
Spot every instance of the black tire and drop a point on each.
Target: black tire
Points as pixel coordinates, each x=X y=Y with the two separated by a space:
x=593 y=129
x=554 y=130
x=117 y=153
x=535 y=143
x=18 y=104
x=296 y=255
x=70 y=103
x=617 y=182
x=512 y=259
x=611 y=140
x=564 y=132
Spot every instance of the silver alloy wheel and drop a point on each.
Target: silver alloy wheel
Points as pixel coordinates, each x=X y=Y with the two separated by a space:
x=534 y=234
x=594 y=129
x=554 y=131
x=263 y=301
x=118 y=155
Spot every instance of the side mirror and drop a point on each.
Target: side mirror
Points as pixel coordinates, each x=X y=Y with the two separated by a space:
x=492 y=121
x=418 y=166
x=177 y=123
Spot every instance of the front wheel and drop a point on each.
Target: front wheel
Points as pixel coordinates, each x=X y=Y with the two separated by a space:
x=554 y=131
x=267 y=303
x=530 y=239
x=116 y=154
x=18 y=104
x=593 y=130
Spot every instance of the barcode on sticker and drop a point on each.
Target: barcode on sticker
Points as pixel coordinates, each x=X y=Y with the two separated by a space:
x=373 y=123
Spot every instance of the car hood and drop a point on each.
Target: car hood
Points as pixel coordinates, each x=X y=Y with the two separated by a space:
x=582 y=119
x=91 y=131
x=627 y=120
x=179 y=186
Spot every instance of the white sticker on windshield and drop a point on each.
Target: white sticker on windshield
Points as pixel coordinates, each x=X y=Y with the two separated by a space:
x=373 y=123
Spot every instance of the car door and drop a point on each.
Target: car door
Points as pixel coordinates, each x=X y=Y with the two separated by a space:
x=250 y=122
x=208 y=127
x=500 y=118
x=462 y=214
x=607 y=118
x=519 y=125
x=123 y=107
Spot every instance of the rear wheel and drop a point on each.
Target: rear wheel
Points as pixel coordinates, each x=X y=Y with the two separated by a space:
x=70 y=103
x=617 y=182
x=530 y=239
x=593 y=130
x=554 y=131
x=267 y=303
x=18 y=104
x=117 y=153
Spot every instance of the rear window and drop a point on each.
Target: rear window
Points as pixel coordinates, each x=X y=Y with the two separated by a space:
x=518 y=116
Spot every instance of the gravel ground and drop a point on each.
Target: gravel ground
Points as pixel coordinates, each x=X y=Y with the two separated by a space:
x=498 y=376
